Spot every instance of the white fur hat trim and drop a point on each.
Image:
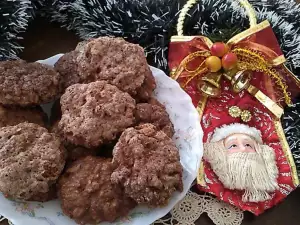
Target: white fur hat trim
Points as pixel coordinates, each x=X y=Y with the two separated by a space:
x=236 y=128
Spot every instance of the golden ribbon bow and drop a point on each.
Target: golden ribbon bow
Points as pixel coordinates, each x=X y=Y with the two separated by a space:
x=251 y=57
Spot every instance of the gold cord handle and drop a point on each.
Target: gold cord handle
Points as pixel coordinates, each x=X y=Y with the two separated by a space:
x=250 y=12
x=190 y=3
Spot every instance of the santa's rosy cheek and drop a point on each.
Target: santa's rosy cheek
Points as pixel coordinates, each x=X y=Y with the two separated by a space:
x=235 y=150
x=249 y=149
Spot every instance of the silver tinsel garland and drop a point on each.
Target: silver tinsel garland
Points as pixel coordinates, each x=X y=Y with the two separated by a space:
x=14 y=20
x=151 y=23
x=291 y=125
x=61 y=11
x=288 y=9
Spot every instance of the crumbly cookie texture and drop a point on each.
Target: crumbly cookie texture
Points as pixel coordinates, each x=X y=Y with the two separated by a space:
x=10 y=116
x=24 y=84
x=144 y=93
x=155 y=113
x=87 y=194
x=116 y=61
x=95 y=113
x=31 y=160
x=74 y=152
x=66 y=66
x=147 y=165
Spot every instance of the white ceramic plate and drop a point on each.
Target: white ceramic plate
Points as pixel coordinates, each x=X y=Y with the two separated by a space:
x=188 y=138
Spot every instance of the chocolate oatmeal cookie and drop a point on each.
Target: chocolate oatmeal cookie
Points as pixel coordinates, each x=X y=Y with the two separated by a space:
x=44 y=197
x=155 y=113
x=116 y=61
x=31 y=160
x=24 y=84
x=77 y=152
x=148 y=165
x=74 y=152
x=67 y=67
x=144 y=93
x=15 y=115
x=87 y=194
x=81 y=45
x=55 y=129
x=95 y=113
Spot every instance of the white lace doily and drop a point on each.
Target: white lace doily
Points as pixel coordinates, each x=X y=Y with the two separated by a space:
x=194 y=205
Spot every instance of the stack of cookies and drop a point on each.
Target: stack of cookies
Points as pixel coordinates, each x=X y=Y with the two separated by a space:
x=108 y=147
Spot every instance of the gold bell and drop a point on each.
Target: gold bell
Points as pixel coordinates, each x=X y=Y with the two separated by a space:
x=210 y=84
x=229 y=74
x=213 y=79
x=240 y=80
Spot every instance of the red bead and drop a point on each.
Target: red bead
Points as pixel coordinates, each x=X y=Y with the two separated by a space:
x=219 y=49
x=229 y=61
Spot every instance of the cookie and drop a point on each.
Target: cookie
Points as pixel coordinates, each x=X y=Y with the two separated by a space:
x=147 y=165
x=155 y=113
x=31 y=160
x=16 y=115
x=116 y=61
x=144 y=93
x=95 y=113
x=87 y=194
x=66 y=66
x=74 y=152
x=24 y=84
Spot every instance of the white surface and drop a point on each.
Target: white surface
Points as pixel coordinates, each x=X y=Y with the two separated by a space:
x=188 y=138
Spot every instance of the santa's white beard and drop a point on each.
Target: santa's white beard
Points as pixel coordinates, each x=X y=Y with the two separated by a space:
x=256 y=173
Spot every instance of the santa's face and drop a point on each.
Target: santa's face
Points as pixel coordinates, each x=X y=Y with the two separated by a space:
x=243 y=164
x=240 y=143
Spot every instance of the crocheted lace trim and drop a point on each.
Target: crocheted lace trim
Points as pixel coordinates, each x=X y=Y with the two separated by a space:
x=194 y=205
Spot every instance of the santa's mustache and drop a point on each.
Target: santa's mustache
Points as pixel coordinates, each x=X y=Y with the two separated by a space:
x=254 y=172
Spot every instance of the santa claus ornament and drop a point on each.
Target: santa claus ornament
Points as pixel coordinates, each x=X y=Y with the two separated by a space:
x=241 y=161
x=239 y=89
